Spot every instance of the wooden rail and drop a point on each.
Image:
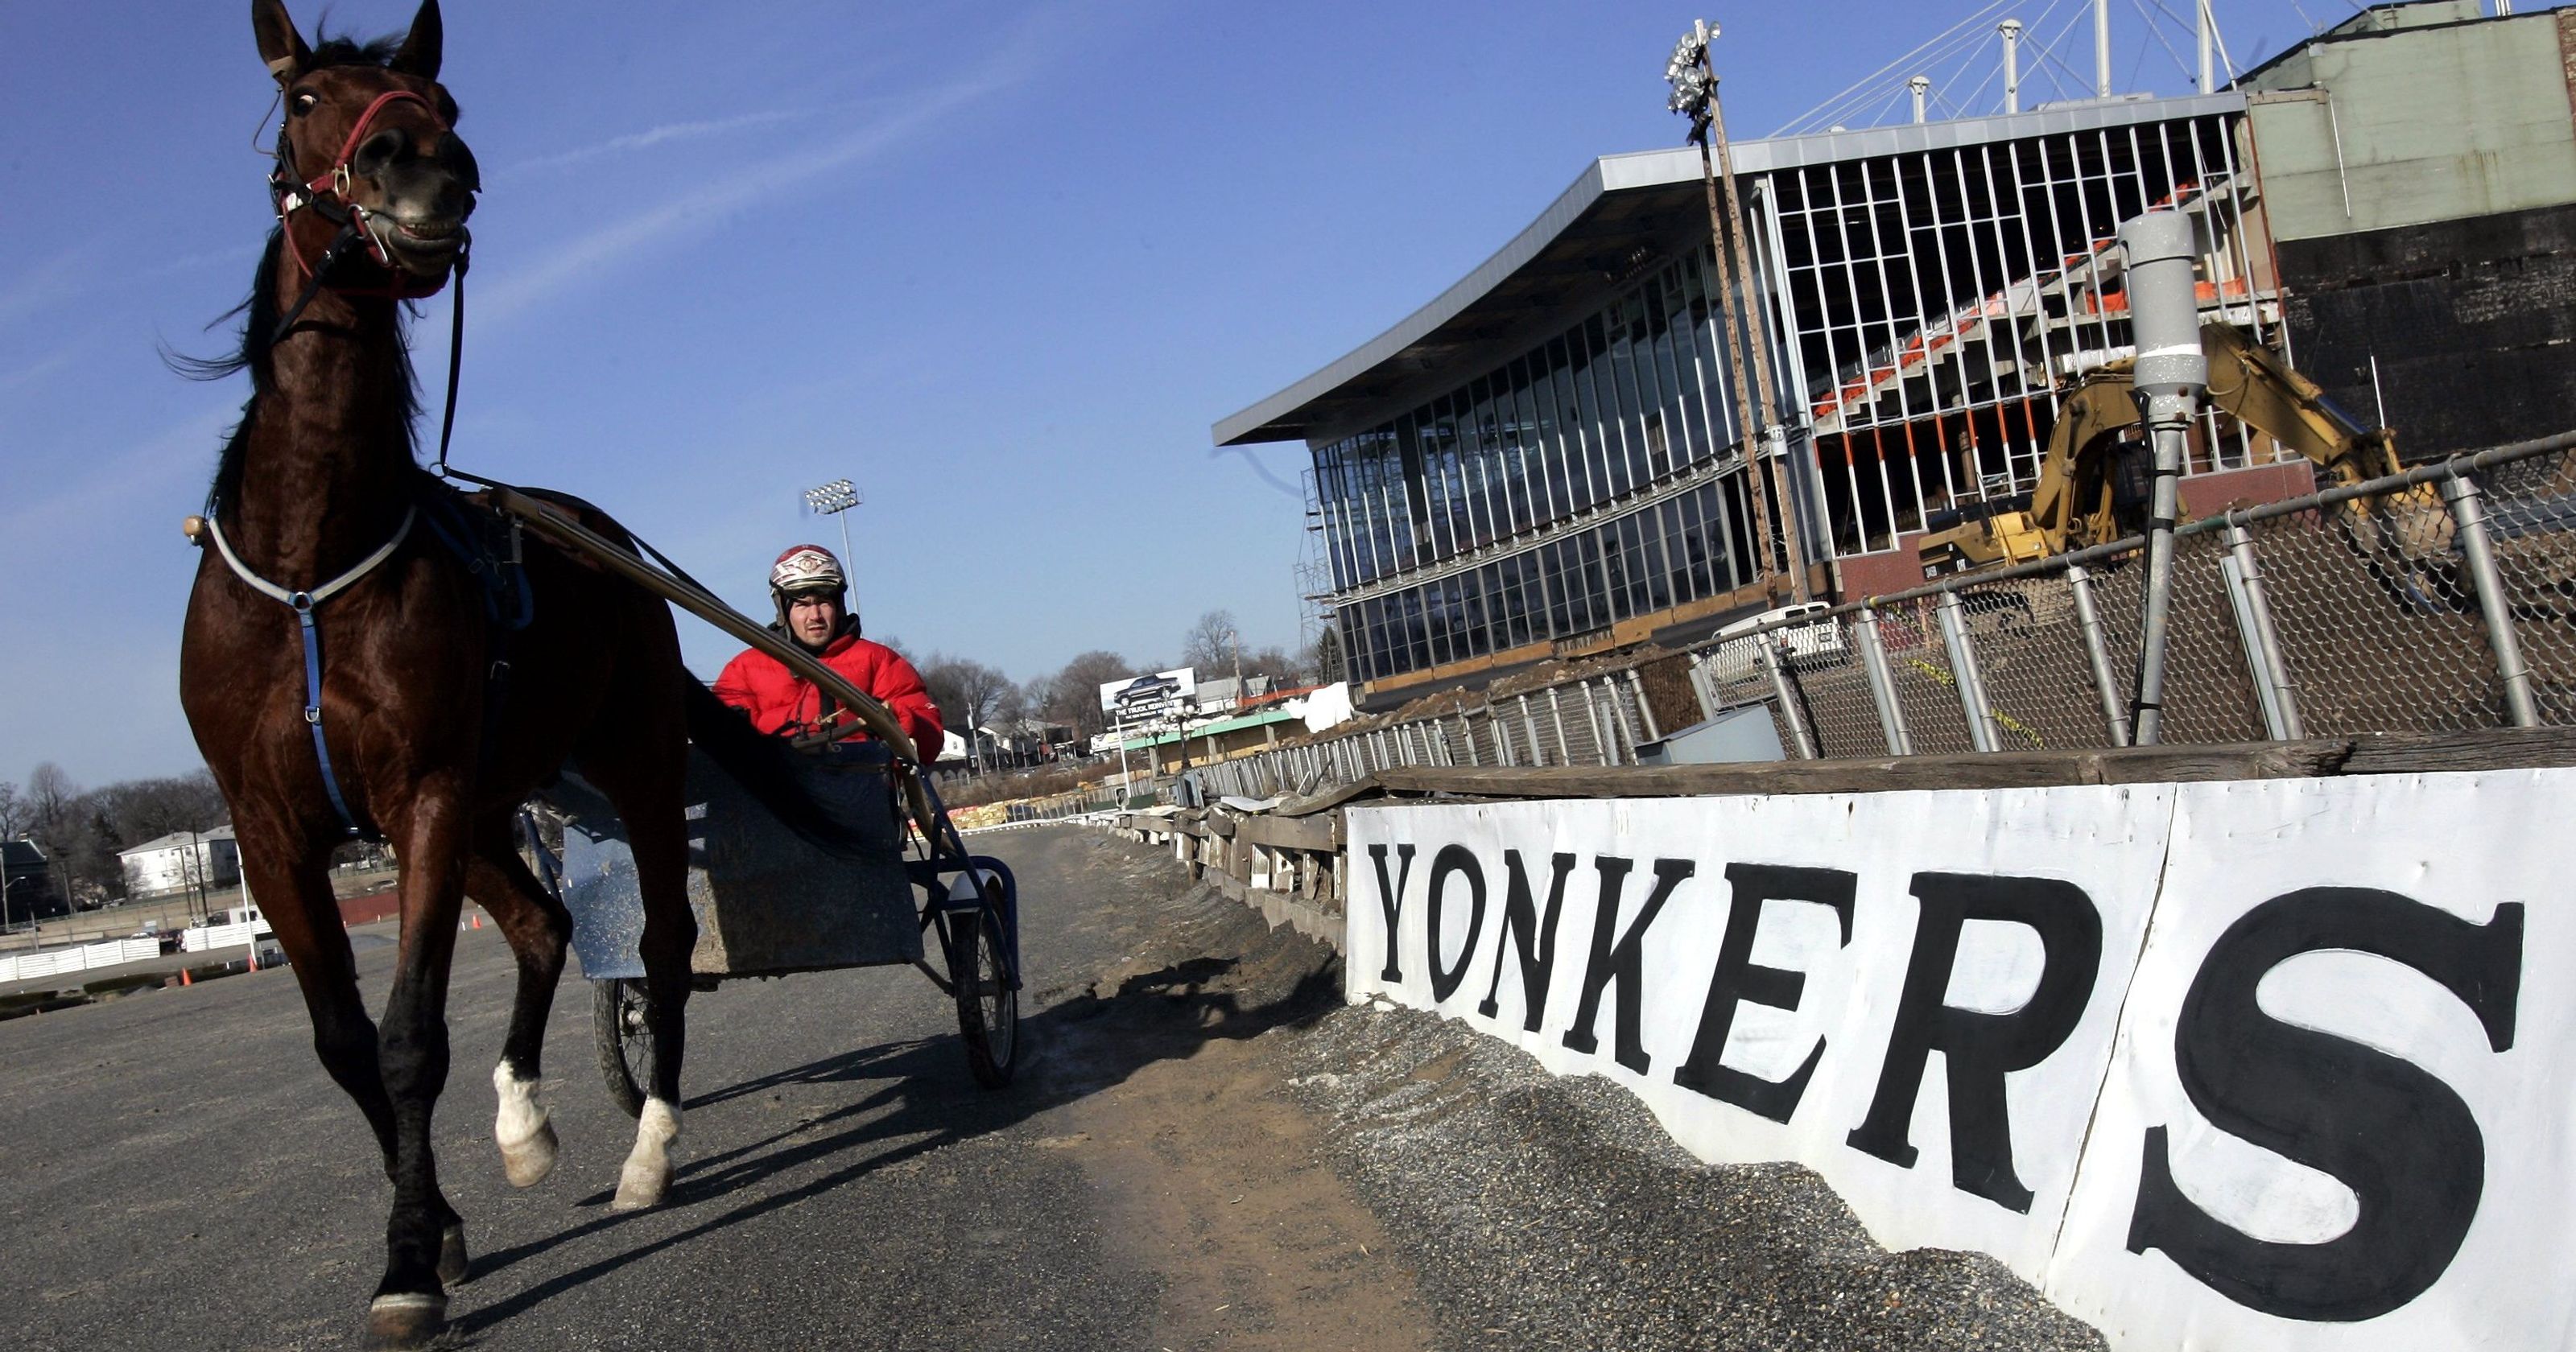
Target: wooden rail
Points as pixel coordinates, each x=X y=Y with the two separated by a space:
x=1288 y=860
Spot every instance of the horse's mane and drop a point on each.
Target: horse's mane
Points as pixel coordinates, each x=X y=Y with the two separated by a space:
x=259 y=312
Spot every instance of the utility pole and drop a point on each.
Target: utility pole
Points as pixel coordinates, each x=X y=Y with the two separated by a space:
x=1693 y=75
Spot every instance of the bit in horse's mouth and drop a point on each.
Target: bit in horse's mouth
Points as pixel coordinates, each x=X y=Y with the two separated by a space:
x=436 y=231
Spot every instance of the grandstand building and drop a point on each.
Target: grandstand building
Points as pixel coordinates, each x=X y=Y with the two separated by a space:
x=1545 y=460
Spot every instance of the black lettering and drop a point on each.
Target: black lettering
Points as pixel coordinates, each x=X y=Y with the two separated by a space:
x=1537 y=937
x=2405 y=1144
x=1977 y=1048
x=1621 y=960
x=1739 y=979
x=1390 y=899
x=1453 y=859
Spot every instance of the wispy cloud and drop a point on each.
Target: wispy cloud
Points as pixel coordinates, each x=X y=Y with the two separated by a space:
x=712 y=200
x=670 y=131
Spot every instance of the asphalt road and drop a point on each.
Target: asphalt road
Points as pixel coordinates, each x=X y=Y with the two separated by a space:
x=176 y=1171
x=1205 y=1150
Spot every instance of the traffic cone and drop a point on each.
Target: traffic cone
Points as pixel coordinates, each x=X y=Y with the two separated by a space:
x=478 y=920
x=184 y=979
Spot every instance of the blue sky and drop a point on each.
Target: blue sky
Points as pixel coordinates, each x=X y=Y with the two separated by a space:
x=1001 y=264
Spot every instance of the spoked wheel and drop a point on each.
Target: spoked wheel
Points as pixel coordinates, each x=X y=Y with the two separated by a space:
x=988 y=1008
x=621 y=1026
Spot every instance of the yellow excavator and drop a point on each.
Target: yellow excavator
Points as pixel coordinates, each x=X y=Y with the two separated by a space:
x=2077 y=502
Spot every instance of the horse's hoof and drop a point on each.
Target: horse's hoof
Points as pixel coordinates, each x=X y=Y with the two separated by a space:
x=647 y=1173
x=526 y=1137
x=529 y=1160
x=641 y=1186
x=454 y=1265
x=405 y=1320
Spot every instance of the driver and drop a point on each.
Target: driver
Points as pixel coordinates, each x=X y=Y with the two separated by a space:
x=811 y=591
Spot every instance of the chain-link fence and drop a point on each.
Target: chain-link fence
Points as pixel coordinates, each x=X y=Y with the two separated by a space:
x=2442 y=599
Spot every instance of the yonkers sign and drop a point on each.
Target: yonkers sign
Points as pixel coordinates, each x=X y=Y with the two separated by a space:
x=2276 y=1064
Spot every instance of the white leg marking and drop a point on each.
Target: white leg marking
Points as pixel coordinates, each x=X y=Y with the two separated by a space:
x=522 y=1127
x=647 y=1174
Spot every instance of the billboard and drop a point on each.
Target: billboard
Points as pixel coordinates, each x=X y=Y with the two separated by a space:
x=1158 y=695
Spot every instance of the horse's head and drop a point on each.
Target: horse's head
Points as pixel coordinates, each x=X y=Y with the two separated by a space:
x=370 y=138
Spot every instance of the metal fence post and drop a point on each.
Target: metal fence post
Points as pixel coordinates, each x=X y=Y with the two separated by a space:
x=1529 y=724
x=2254 y=631
x=1798 y=733
x=1556 y=719
x=1963 y=671
x=1645 y=709
x=2168 y=376
x=1502 y=735
x=1467 y=725
x=2469 y=513
x=1619 y=717
x=2097 y=655
x=1701 y=687
x=1882 y=684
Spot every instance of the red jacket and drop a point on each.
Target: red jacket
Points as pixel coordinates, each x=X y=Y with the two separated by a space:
x=779 y=700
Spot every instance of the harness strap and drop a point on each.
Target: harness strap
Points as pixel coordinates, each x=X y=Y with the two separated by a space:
x=327 y=590
x=303 y=604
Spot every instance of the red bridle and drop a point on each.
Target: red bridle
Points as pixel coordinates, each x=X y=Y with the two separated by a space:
x=333 y=183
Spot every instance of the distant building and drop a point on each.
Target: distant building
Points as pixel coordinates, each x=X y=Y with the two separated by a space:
x=1545 y=460
x=27 y=882
x=182 y=860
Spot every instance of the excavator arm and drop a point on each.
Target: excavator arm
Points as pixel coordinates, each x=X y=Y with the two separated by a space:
x=2071 y=505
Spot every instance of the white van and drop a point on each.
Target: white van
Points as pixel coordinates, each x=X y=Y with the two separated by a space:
x=1818 y=640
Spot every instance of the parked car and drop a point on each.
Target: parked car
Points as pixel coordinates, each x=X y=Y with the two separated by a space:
x=1820 y=640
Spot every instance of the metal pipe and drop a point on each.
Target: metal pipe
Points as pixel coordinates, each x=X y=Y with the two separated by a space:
x=1556 y=719
x=2097 y=655
x=2469 y=513
x=1882 y=684
x=2167 y=380
x=2207 y=24
x=1798 y=733
x=1919 y=86
x=2101 y=49
x=2011 y=29
x=1963 y=672
x=1529 y=723
x=2262 y=643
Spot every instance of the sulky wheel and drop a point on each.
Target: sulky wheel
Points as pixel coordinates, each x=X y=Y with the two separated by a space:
x=988 y=1007
x=623 y=1032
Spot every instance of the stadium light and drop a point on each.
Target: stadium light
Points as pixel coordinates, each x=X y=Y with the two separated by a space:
x=832 y=499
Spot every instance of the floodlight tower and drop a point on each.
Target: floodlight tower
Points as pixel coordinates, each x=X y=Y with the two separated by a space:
x=832 y=499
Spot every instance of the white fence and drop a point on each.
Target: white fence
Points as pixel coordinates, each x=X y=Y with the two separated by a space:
x=87 y=957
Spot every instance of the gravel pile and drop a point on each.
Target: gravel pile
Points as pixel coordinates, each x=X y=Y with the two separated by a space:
x=1555 y=1213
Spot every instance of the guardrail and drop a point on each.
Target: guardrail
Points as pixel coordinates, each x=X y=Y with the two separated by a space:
x=2440 y=599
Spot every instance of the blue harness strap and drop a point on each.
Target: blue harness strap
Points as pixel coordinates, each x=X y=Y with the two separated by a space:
x=303 y=603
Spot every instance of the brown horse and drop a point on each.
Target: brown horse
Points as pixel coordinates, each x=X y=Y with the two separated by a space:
x=426 y=742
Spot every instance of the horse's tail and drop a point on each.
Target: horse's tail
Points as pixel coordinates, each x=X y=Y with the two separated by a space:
x=768 y=769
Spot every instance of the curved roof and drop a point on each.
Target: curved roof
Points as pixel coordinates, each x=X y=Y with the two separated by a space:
x=1590 y=234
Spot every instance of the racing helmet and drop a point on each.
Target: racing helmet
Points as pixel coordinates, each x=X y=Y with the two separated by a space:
x=807 y=568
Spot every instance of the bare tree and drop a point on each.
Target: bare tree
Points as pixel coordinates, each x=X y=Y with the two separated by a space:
x=1073 y=694
x=967 y=693
x=50 y=794
x=1210 y=644
x=13 y=811
x=1325 y=658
